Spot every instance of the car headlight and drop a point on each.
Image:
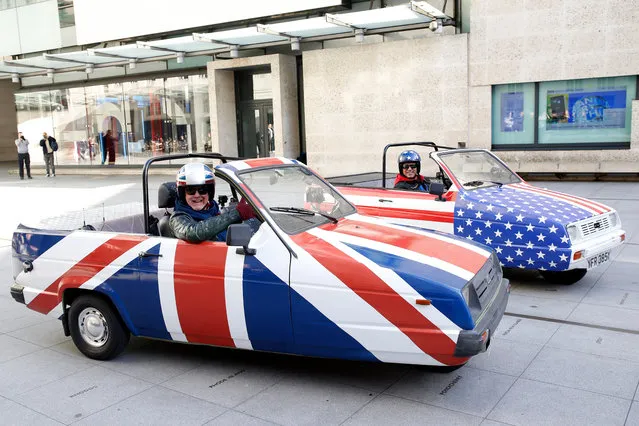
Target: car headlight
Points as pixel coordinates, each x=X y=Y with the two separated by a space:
x=614 y=219
x=573 y=233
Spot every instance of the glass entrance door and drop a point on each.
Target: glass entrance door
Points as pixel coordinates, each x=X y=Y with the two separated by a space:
x=256 y=138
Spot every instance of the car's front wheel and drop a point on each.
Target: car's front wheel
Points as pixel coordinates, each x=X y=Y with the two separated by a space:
x=96 y=329
x=564 y=277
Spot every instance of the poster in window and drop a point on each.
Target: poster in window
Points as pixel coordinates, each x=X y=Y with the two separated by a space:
x=512 y=112
x=582 y=109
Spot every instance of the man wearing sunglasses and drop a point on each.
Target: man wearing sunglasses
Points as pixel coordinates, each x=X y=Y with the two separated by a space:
x=408 y=177
x=197 y=216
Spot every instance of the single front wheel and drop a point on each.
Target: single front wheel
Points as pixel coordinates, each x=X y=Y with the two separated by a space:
x=564 y=277
x=96 y=329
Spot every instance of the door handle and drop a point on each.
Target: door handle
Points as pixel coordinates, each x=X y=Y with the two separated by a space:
x=146 y=254
x=384 y=200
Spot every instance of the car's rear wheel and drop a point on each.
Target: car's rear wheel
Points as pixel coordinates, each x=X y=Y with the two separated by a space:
x=564 y=277
x=96 y=328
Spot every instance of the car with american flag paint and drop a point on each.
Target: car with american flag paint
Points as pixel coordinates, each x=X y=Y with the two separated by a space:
x=476 y=196
x=315 y=279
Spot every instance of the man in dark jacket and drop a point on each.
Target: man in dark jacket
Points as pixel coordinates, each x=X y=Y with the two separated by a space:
x=197 y=216
x=408 y=177
x=49 y=146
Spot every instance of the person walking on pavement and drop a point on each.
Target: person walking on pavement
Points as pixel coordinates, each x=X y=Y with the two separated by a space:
x=23 y=155
x=49 y=146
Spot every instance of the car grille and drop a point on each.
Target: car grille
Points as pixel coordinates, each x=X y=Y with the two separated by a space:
x=489 y=278
x=595 y=226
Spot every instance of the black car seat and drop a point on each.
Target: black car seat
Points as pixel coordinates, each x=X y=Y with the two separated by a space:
x=167 y=194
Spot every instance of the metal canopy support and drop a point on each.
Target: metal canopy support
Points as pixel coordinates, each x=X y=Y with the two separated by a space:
x=18 y=64
x=95 y=52
x=144 y=45
x=295 y=41
x=51 y=57
x=358 y=31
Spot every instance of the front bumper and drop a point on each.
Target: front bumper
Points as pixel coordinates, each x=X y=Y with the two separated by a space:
x=17 y=292
x=472 y=342
x=596 y=246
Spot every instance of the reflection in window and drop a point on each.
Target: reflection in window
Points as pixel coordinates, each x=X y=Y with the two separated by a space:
x=7 y=4
x=66 y=13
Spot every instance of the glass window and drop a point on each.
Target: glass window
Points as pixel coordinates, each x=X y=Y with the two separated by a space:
x=20 y=3
x=513 y=114
x=596 y=110
x=34 y=117
x=66 y=15
x=70 y=127
x=105 y=111
x=7 y=4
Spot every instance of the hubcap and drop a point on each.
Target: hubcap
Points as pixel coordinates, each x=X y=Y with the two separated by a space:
x=93 y=327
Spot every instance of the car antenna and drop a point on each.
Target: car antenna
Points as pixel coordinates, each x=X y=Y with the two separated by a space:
x=84 y=219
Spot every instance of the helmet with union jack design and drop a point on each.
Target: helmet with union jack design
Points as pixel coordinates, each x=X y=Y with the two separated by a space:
x=195 y=174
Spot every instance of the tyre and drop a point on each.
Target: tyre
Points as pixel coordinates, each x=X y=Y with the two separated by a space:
x=564 y=277
x=96 y=328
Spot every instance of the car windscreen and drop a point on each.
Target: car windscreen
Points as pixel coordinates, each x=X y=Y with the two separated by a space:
x=476 y=169
x=295 y=198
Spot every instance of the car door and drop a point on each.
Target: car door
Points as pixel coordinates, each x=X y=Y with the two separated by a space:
x=211 y=294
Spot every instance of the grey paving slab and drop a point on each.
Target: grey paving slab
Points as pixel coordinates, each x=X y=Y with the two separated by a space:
x=14 y=414
x=306 y=401
x=10 y=348
x=226 y=383
x=540 y=306
x=625 y=268
x=156 y=406
x=27 y=319
x=606 y=316
x=506 y=357
x=468 y=390
x=530 y=402
x=525 y=330
x=10 y=309
x=593 y=373
x=629 y=253
x=155 y=361
x=627 y=299
x=543 y=289
x=611 y=344
x=404 y=412
x=633 y=415
x=487 y=422
x=45 y=334
x=233 y=418
x=36 y=369
x=81 y=394
x=620 y=280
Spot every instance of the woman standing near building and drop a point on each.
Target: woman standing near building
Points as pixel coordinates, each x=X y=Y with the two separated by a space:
x=109 y=143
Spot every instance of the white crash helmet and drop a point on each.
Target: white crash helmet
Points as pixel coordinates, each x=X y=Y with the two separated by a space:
x=195 y=174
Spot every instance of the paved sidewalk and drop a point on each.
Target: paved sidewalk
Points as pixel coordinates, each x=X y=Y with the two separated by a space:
x=563 y=355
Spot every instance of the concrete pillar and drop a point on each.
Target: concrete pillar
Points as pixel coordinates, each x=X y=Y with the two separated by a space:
x=224 y=138
x=8 y=121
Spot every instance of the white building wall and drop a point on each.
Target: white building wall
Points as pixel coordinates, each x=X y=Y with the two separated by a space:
x=31 y=28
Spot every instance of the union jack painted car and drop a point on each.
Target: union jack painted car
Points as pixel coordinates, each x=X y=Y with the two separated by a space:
x=476 y=196
x=315 y=279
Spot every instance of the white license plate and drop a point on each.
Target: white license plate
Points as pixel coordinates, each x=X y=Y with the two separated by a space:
x=598 y=259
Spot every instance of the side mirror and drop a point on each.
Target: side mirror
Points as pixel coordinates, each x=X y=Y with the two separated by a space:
x=240 y=234
x=437 y=188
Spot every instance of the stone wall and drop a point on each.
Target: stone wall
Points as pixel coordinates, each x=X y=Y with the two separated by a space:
x=8 y=121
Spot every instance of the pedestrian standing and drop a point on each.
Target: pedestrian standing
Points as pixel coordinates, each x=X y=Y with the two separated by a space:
x=23 y=155
x=49 y=146
x=109 y=142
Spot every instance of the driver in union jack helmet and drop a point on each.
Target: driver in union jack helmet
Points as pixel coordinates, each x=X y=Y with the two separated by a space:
x=197 y=216
x=409 y=163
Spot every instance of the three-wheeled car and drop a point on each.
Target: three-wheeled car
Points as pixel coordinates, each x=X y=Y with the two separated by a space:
x=315 y=279
x=475 y=195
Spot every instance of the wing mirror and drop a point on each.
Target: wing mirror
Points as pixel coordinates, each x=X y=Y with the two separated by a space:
x=240 y=234
x=437 y=188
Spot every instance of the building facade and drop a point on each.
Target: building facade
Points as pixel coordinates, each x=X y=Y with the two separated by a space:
x=552 y=87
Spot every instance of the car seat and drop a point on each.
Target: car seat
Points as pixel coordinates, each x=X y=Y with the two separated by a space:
x=167 y=194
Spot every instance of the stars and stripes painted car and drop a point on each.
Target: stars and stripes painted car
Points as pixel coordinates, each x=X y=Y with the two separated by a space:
x=482 y=200
x=327 y=282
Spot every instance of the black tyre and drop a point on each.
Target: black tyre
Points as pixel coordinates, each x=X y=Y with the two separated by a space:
x=96 y=328
x=564 y=277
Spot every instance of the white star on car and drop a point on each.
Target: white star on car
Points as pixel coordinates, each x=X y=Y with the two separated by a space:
x=460 y=229
x=529 y=227
x=530 y=261
x=510 y=210
x=519 y=235
x=509 y=243
x=563 y=258
x=519 y=252
x=469 y=237
x=540 y=255
x=460 y=212
x=509 y=259
x=488 y=223
x=498 y=216
x=478 y=215
x=469 y=222
x=498 y=233
x=520 y=218
x=552 y=229
x=508 y=226
x=489 y=207
x=470 y=206
x=542 y=219
x=553 y=264
x=552 y=247
x=541 y=237
x=498 y=250
x=565 y=239
x=488 y=240
x=478 y=231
